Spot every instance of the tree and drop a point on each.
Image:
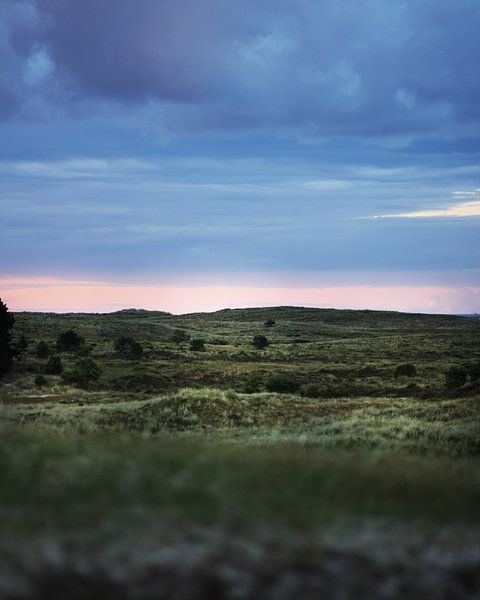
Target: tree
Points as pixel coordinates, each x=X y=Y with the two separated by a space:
x=69 y=341
x=197 y=345
x=42 y=349
x=260 y=342
x=269 y=323
x=455 y=376
x=20 y=346
x=127 y=347
x=405 y=370
x=179 y=336
x=54 y=366
x=84 y=371
x=6 y=351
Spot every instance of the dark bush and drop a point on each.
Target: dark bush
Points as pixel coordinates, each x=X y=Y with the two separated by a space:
x=128 y=348
x=197 y=345
x=311 y=390
x=260 y=342
x=282 y=383
x=474 y=371
x=179 y=336
x=69 y=341
x=405 y=370
x=54 y=366
x=84 y=371
x=455 y=376
x=269 y=323
x=253 y=383
x=20 y=346
x=40 y=381
x=42 y=349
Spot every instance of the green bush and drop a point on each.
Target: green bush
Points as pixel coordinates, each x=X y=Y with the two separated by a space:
x=127 y=347
x=406 y=370
x=269 y=323
x=282 y=383
x=42 y=349
x=253 y=383
x=455 y=376
x=40 y=381
x=84 y=371
x=311 y=390
x=54 y=366
x=179 y=336
x=197 y=345
x=69 y=341
x=474 y=372
x=260 y=342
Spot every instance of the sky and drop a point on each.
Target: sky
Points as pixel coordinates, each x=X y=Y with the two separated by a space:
x=195 y=155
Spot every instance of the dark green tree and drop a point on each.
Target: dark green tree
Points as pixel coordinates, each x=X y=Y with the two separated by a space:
x=260 y=342
x=197 y=345
x=127 y=347
x=70 y=341
x=6 y=351
x=42 y=349
x=54 y=366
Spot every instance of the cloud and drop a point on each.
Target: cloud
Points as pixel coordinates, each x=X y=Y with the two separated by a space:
x=311 y=69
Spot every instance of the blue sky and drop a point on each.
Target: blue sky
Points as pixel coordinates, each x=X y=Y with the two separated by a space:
x=256 y=143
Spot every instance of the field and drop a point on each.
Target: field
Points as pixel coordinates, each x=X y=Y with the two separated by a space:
x=316 y=466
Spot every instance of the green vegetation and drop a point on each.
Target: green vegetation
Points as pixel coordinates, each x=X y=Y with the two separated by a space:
x=349 y=425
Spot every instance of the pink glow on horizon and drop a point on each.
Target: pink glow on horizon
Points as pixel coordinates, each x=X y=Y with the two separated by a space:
x=61 y=295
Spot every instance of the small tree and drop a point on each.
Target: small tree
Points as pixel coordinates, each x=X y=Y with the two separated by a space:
x=84 y=371
x=69 y=341
x=282 y=383
x=54 y=366
x=127 y=347
x=197 y=345
x=269 y=323
x=260 y=342
x=42 y=349
x=6 y=351
x=20 y=346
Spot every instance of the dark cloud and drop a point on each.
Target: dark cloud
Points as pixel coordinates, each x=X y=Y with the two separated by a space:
x=370 y=68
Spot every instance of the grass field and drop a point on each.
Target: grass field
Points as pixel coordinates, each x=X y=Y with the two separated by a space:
x=309 y=468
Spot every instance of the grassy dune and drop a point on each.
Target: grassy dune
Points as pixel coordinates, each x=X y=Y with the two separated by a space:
x=166 y=478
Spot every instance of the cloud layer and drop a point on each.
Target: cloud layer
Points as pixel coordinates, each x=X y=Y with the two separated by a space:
x=314 y=69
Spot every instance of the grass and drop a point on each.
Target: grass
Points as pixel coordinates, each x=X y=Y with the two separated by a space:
x=170 y=448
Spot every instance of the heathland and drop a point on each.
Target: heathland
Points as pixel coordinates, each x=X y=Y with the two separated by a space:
x=248 y=453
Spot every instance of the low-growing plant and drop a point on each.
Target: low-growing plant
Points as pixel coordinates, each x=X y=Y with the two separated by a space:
x=269 y=323
x=40 y=381
x=406 y=370
x=197 y=345
x=283 y=383
x=311 y=390
x=455 y=376
x=83 y=372
x=127 y=347
x=253 y=383
x=179 y=336
x=54 y=365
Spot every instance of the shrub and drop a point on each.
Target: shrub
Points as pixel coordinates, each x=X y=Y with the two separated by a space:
x=54 y=366
x=474 y=371
x=405 y=370
x=253 y=383
x=260 y=342
x=127 y=347
x=179 y=336
x=84 y=371
x=311 y=390
x=282 y=383
x=20 y=346
x=69 y=341
x=455 y=376
x=197 y=345
x=42 y=349
x=40 y=381
x=269 y=323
